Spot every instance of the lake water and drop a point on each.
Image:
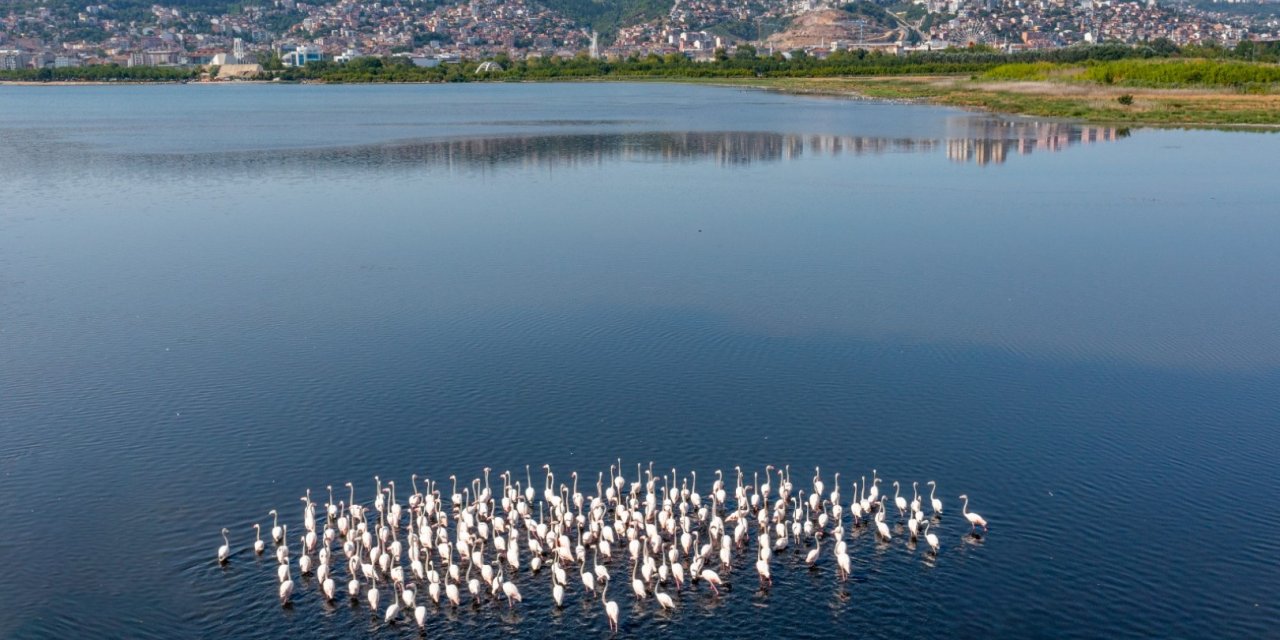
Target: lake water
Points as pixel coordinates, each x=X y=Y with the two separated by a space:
x=214 y=298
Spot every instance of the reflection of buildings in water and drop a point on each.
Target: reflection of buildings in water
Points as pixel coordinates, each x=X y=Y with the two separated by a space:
x=724 y=148
x=548 y=151
x=992 y=141
x=983 y=141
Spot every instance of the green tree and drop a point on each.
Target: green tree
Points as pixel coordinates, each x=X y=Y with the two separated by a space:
x=1164 y=47
x=1245 y=50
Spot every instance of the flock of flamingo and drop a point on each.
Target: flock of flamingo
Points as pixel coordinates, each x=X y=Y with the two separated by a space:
x=471 y=541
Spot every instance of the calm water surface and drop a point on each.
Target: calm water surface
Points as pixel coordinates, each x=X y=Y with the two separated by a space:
x=213 y=298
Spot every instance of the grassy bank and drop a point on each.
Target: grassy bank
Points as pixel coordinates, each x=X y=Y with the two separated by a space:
x=1082 y=100
x=1177 y=74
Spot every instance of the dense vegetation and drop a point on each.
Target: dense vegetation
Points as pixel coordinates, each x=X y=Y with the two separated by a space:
x=100 y=73
x=1182 y=73
x=1147 y=73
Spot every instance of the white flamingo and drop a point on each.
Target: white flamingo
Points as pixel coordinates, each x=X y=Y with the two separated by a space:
x=812 y=556
x=931 y=539
x=224 y=551
x=935 y=502
x=610 y=609
x=712 y=579
x=898 y=501
x=393 y=611
x=974 y=519
x=277 y=533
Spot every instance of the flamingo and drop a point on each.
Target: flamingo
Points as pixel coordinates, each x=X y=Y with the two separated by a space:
x=277 y=533
x=602 y=572
x=510 y=590
x=637 y=585
x=937 y=504
x=286 y=588
x=610 y=609
x=974 y=519
x=393 y=610
x=664 y=600
x=762 y=567
x=845 y=566
x=224 y=551
x=882 y=529
x=812 y=556
x=282 y=551
x=588 y=579
x=304 y=563
x=931 y=539
x=712 y=579
x=329 y=588
x=258 y=544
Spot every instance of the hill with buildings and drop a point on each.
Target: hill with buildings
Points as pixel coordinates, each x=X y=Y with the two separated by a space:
x=62 y=33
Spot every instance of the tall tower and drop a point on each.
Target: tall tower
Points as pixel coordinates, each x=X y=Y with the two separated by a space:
x=237 y=50
x=595 y=45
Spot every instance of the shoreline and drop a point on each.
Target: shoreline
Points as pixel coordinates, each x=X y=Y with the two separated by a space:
x=1076 y=102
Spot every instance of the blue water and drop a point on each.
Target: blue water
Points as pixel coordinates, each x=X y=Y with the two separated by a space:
x=215 y=298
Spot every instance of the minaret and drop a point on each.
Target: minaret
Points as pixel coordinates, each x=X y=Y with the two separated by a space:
x=595 y=45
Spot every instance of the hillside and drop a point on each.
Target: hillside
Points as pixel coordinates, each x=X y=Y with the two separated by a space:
x=605 y=16
x=823 y=27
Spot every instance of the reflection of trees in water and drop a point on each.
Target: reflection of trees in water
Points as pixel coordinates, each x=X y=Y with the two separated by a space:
x=983 y=145
x=724 y=148
x=560 y=150
x=982 y=141
x=991 y=141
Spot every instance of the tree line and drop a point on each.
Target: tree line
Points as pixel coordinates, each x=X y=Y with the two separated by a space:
x=101 y=73
x=747 y=62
